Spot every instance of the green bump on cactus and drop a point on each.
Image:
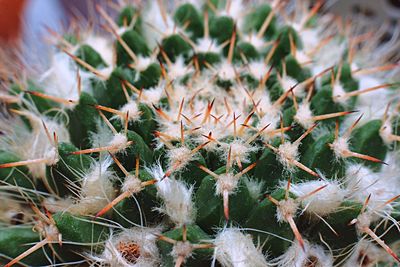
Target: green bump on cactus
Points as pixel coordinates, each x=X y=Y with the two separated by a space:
x=71 y=228
x=218 y=23
x=188 y=17
x=135 y=42
x=90 y=56
x=256 y=19
x=82 y=120
x=68 y=168
x=205 y=133
x=18 y=176
x=15 y=240
x=130 y=15
x=175 y=46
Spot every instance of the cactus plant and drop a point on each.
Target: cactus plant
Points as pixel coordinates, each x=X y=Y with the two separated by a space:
x=203 y=134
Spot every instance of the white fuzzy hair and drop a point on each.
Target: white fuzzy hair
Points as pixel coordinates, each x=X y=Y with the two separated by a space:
x=304 y=115
x=132 y=109
x=204 y=45
x=119 y=142
x=233 y=248
x=154 y=27
x=142 y=63
x=96 y=189
x=179 y=157
x=366 y=254
x=324 y=201
x=226 y=71
x=33 y=144
x=239 y=150
x=226 y=182
x=286 y=153
x=152 y=95
x=340 y=146
x=362 y=182
x=295 y=256
x=144 y=238
x=177 y=197
x=60 y=79
x=178 y=69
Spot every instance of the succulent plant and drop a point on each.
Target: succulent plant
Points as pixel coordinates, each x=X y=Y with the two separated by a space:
x=215 y=133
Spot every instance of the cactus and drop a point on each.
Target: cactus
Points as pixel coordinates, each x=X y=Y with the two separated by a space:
x=205 y=133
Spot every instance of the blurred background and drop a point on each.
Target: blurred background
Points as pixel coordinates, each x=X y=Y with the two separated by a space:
x=27 y=21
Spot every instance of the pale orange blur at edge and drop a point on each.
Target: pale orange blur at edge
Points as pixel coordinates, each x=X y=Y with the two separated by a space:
x=11 y=12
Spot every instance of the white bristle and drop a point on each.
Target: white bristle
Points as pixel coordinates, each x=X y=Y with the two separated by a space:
x=176 y=196
x=304 y=115
x=97 y=189
x=236 y=249
x=312 y=255
x=287 y=152
x=322 y=202
x=119 y=143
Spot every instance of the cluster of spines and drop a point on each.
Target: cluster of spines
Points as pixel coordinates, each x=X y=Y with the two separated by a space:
x=214 y=118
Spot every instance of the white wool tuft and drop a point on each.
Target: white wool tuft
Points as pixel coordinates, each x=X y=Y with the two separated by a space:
x=271 y=117
x=386 y=132
x=180 y=157
x=239 y=150
x=372 y=104
x=119 y=142
x=310 y=37
x=182 y=249
x=97 y=189
x=254 y=186
x=226 y=71
x=314 y=255
x=287 y=152
x=302 y=57
x=258 y=69
x=362 y=182
x=367 y=254
x=206 y=45
x=235 y=11
x=324 y=201
x=288 y=82
x=29 y=144
x=177 y=198
x=304 y=115
x=341 y=147
x=178 y=69
x=226 y=182
x=154 y=26
x=235 y=249
x=142 y=63
x=264 y=106
x=286 y=208
x=152 y=95
x=339 y=93
x=132 y=184
x=60 y=79
x=132 y=247
x=51 y=156
x=132 y=108
x=258 y=43
x=156 y=172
